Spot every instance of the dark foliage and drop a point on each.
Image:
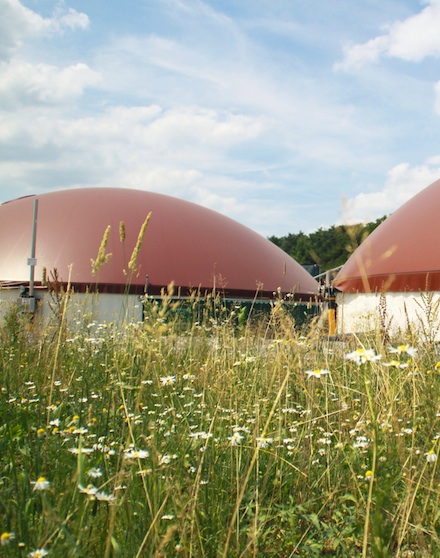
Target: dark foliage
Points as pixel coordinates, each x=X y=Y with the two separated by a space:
x=327 y=248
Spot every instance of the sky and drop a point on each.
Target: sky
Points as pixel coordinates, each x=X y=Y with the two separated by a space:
x=284 y=115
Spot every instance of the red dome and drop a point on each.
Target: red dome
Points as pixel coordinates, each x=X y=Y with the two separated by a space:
x=185 y=243
x=402 y=254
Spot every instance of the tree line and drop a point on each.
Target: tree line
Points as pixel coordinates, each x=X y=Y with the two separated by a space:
x=325 y=248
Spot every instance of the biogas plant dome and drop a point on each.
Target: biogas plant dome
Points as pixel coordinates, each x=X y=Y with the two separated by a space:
x=402 y=254
x=188 y=245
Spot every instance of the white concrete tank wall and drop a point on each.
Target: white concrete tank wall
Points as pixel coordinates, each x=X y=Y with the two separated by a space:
x=364 y=312
x=102 y=308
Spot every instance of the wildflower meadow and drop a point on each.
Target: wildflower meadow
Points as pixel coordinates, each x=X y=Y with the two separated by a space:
x=210 y=436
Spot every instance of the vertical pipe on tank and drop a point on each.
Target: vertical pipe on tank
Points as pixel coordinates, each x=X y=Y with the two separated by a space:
x=32 y=259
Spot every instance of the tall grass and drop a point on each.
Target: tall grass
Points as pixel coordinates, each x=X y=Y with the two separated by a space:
x=217 y=437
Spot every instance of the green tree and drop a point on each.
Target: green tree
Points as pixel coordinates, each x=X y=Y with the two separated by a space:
x=328 y=248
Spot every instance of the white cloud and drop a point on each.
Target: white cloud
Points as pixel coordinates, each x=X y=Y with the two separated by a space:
x=22 y=83
x=18 y=23
x=418 y=36
x=180 y=152
x=71 y=19
x=402 y=184
x=204 y=196
x=206 y=128
x=160 y=150
x=412 y=39
x=293 y=117
x=356 y=56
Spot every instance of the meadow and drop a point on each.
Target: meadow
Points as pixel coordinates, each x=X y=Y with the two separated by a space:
x=216 y=436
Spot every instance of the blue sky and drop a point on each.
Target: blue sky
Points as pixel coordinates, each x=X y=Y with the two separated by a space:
x=285 y=115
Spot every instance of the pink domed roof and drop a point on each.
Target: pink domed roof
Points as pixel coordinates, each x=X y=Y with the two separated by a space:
x=402 y=254
x=185 y=243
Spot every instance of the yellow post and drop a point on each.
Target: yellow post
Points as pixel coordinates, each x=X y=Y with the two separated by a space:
x=332 y=317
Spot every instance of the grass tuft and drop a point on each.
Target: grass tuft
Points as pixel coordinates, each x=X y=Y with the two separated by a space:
x=205 y=432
